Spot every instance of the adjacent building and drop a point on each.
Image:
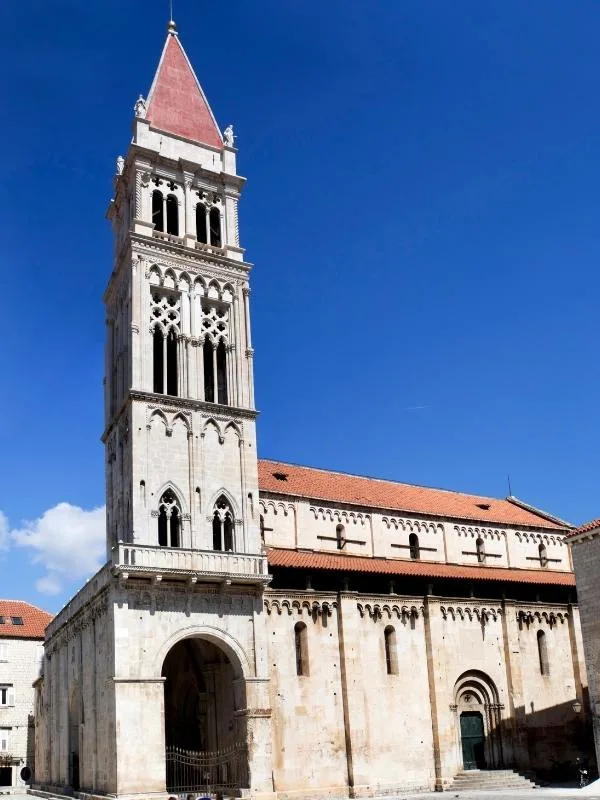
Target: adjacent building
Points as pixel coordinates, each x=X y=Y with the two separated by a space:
x=258 y=626
x=585 y=548
x=21 y=652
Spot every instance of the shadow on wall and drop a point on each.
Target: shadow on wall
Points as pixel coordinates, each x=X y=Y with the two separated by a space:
x=550 y=741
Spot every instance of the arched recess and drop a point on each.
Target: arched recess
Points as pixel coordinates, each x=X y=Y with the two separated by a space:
x=203 y=700
x=75 y=721
x=479 y=729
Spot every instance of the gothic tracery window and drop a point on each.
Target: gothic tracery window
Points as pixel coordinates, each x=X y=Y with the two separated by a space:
x=223 y=525
x=215 y=326
x=165 y=320
x=339 y=537
x=169 y=521
x=165 y=212
x=543 y=555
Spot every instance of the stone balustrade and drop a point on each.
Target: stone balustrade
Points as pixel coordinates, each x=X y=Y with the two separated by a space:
x=205 y=565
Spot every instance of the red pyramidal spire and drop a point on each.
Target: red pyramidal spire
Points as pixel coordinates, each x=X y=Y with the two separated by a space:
x=176 y=103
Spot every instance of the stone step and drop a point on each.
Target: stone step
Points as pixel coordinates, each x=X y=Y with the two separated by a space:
x=497 y=779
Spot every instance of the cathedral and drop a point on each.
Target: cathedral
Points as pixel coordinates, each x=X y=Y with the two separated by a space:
x=264 y=629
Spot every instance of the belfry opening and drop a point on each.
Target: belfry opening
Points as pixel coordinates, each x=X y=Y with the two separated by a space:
x=205 y=735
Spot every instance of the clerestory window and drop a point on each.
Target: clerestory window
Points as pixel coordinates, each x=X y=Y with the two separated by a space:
x=480 y=549
x=169 y=521
x=223 y=538
x=413 y=545
x=543 y=555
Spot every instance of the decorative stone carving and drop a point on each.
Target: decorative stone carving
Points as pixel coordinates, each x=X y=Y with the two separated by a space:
x=140 y=108
x=120 y=165
x=228 y=136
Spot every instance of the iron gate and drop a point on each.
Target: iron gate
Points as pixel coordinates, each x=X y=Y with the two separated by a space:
x=223 y=770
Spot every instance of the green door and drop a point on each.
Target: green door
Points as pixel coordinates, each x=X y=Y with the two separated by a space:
x=472 y=738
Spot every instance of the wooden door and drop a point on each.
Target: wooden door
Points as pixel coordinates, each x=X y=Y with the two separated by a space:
x=472 y=739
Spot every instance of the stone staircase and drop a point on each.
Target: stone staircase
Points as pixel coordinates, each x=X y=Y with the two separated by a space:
x=477 y=780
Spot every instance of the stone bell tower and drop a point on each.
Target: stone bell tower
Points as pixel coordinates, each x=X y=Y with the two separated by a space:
x=181 y=464
x=165 y=646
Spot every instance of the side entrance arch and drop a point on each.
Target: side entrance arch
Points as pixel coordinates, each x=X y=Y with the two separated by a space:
x=478 y=712
x=205 y=737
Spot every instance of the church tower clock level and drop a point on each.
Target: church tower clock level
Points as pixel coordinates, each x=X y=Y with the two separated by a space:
x=181 y=464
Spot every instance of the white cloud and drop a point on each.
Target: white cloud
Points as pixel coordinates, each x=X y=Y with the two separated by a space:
x=68 y=541
x=4 y=537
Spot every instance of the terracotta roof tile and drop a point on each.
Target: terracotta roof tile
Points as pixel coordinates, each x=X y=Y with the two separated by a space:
x=34 y=620
x=588 y=526
x=278 y=557
x=176 y=103
x=338 y=487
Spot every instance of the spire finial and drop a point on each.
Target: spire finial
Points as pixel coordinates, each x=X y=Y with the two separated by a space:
x=171 y=27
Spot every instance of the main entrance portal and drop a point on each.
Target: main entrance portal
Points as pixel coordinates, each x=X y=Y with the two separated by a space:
x=473 y=740
x=205 y=740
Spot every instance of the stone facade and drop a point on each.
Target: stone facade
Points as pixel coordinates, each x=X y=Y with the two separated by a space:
x=295 y=643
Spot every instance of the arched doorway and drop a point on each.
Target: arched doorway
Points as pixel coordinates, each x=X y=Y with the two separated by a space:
x=479 y=730
x=205 y=738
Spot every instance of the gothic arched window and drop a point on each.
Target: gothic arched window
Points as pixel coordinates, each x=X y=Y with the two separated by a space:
x=413 y=544
x=222 y=373
x=543 y=555
x=301 y=646
x=223 y=525
x=543 y=653
x=209 y=373
x=391 y=656
x=339 y=537
x=169 y=520
x=165 y=318
x=201 y=227
x=215 y=226
x=480 y=547
x=172 y=215
x=158 y=217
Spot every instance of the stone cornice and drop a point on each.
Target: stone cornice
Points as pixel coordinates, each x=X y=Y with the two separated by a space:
x=211 y=410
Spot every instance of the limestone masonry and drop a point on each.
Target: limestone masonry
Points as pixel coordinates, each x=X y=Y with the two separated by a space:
x=261 y=628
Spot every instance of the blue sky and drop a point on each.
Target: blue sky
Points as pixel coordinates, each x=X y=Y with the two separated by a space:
x=422 y=209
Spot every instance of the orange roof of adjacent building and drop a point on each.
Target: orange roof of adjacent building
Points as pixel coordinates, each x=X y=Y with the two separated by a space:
x=278 y=557
x=34 y=620
x=339 y=487
x=588 y=526
x=176 y=103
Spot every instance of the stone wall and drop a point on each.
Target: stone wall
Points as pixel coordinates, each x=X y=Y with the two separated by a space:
x=586 y=561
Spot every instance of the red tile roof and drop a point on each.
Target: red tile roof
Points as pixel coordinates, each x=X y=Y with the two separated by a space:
x=588 y=526
x=34 y=620
x=176 y=103
x=278 y=557
x=338 y=487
